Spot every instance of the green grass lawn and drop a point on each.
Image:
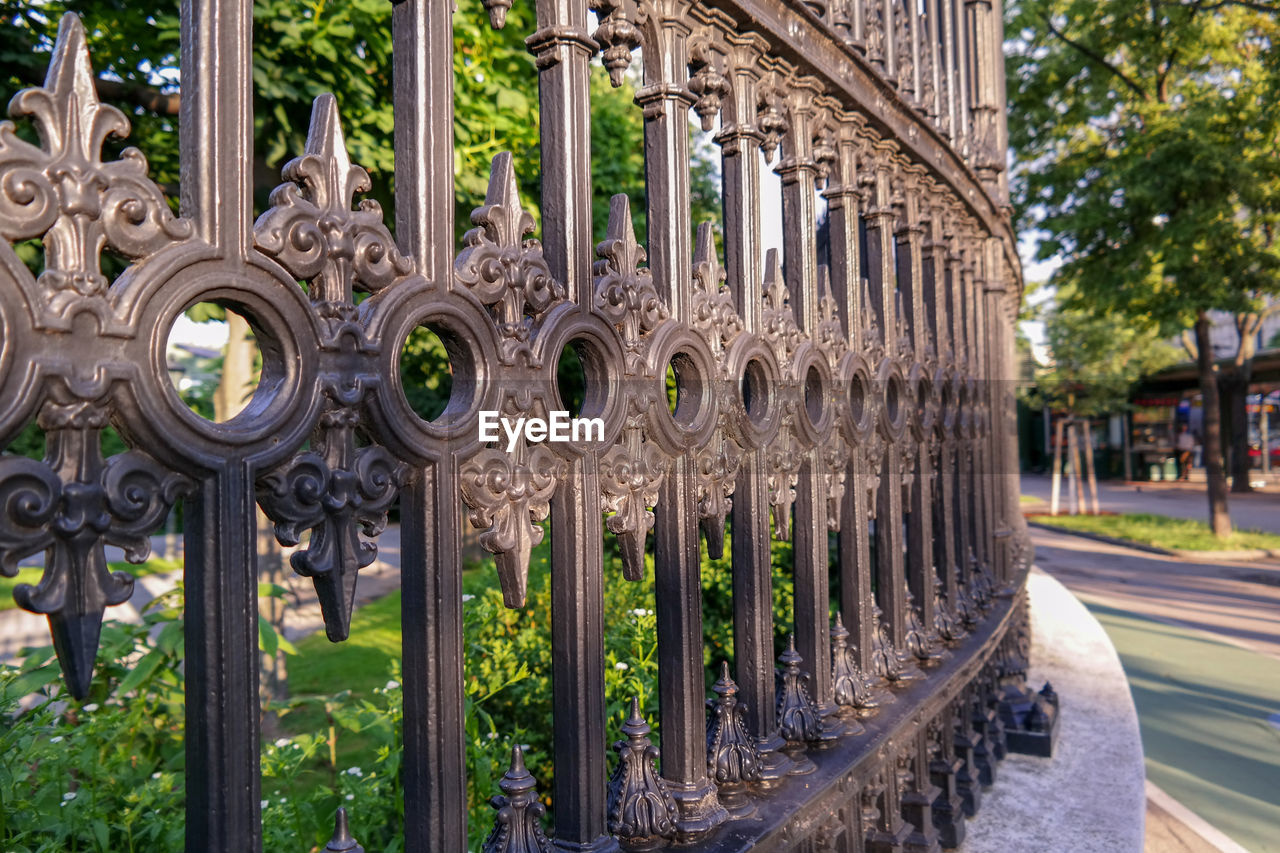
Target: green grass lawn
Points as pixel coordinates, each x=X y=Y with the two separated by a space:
x=154 y=566
x=1179 y=534
x=1029 y=499
x=359 y=663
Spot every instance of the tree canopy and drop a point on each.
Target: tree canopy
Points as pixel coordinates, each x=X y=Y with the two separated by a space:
x=1096 y=357
x=1146 y=134
x=304 y=49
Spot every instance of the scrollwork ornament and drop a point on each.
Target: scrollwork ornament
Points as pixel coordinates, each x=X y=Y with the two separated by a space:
x=517 y=828
x=917 y=639
x=835 y=463
x=334 y=489
x=631 y=475
x=640 y=808
x=70 y=505
x=504 y=270
x=799 y=720
x=732 y=755
x=715 y=319
x=65 y=192
x=851 y=686
x=311 y=228
x=885 y=659
x=785 y=454
x=625 y=294
x=946 y=622
x=508 y=495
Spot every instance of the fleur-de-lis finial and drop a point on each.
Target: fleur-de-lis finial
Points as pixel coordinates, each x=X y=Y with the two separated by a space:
x=312 y=230
x=625 y=293
x=65 y=192
x=502 y=268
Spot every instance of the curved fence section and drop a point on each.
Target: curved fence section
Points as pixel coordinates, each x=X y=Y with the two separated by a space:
x=841 y=379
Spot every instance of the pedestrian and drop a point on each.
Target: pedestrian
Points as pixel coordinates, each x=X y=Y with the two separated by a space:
x=1186 y=447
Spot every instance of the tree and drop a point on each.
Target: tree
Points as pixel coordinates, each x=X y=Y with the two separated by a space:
x=1096 y=357
x=1146 y=136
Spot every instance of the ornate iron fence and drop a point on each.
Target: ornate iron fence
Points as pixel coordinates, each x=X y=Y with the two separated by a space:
x=867 y=397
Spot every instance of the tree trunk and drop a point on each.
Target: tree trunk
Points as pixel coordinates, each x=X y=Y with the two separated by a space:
x=1211 y=441
x=236 y=384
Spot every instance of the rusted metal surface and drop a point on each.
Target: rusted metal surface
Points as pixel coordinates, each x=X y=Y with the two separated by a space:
x=867 y=397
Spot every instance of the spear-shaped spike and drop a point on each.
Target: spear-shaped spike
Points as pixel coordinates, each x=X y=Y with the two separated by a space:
x=342 y=842
x=513 y=571
x=632 y=544
x=705 y=245
x=71 y=74
x=497 y=12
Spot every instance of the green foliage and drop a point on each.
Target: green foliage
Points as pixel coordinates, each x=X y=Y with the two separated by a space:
x=1097 y=356
x=1182 y=534
x=1146 y=138
x=123 y=760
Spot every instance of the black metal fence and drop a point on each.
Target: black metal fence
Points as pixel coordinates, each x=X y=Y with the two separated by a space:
x=866 y=397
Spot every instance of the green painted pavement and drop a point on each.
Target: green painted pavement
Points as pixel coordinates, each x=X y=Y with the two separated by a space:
x=1204 y=709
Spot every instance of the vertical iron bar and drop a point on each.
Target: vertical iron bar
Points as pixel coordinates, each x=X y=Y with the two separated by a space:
x=563 y=49
x=938 y=274
x=854 y=543
x=221 y=628
x=222 y=734
x=434 y=769
x=753 y=651
x=215 y=128
x=812 y=577
x=881 y=277
x=665 y=100
x=920 y=564
x=422 y=69
x=577 y=642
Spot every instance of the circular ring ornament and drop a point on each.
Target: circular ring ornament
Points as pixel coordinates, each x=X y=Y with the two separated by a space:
x=600 y=350
x=283 y=407
x=467 y=332
x=893 y=399
x=751 y=365
x=687 y=428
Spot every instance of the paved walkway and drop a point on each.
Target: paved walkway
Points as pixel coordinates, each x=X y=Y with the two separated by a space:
x=1257 y=511
x=1200 y=644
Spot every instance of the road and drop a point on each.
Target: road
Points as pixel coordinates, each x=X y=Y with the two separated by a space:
x=1200 y=643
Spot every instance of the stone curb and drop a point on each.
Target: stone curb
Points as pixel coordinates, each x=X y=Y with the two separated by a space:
x=1090 y=796
x=1246 y=555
